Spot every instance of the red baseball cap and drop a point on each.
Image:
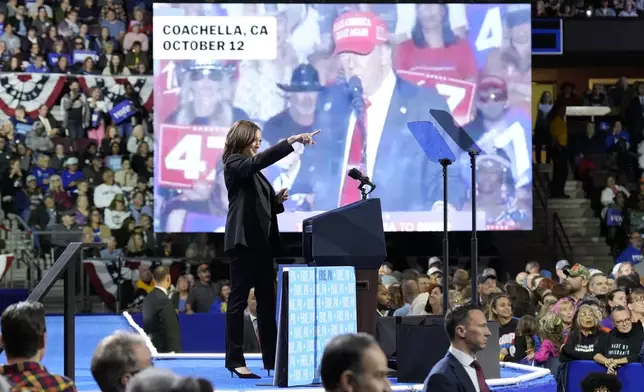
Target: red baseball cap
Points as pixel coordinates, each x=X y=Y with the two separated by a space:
x=492 y=81
x=358 y=32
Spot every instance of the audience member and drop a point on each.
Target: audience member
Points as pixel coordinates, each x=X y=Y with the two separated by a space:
x=466 y=327
x=203 y=294
x=601 y=382
x=354 y=363
x=24 y=337
x=118 y=358
x=160 y=320
x=153 y=380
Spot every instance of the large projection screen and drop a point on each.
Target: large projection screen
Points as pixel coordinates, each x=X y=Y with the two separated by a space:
x=472 y=59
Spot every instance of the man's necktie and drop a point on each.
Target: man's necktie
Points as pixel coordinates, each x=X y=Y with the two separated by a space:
x=350 y=192
x=480 y=377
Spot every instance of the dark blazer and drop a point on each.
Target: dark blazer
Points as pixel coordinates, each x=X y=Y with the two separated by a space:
x=398 y=152
x=161 y=323
x=252 y=203
x=250 y=345
x=448 y=375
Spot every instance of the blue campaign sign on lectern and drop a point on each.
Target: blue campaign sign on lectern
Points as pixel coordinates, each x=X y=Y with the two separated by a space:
x=320 y=303
x=335 y=306
x=301 y=326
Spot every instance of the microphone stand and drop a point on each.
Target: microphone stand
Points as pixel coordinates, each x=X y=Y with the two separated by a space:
x=363 y=191
x=474 y=245
x=445 y=163
x=119 y=282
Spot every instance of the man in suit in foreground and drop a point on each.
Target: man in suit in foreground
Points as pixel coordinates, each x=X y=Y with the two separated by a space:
x=459 y=371
x=160 y=320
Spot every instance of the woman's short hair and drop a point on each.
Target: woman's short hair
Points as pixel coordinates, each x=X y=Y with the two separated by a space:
x=240 y=136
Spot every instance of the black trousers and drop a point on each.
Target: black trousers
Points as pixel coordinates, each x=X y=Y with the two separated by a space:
x=251 y=268
x=559 y=156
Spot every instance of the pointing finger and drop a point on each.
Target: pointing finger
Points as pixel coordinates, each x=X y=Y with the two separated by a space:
x=315 y=132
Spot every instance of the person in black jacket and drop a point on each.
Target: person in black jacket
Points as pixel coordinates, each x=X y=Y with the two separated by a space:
x=252 y=237
x=584 y=336
x=622 y=344
x=160 y=320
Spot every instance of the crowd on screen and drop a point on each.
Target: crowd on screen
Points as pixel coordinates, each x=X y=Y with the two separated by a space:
x=606 y=155
x=588 y=8
x=76 y=37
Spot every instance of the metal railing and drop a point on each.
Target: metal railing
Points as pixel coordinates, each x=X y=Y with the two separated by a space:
x=541 y=191
x=561 y=239
x=19 y=242
x=64 y=265
x=554 y=233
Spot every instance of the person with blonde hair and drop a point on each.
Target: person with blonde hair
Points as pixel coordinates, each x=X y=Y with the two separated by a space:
x=138 y=136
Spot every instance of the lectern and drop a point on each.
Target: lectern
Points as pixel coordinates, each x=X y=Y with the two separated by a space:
x=352 y=235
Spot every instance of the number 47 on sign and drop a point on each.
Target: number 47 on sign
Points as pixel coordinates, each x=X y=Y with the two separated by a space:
x=189 y=154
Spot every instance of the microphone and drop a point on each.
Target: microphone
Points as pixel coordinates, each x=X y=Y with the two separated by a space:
x=358 y=176
x=356 y=92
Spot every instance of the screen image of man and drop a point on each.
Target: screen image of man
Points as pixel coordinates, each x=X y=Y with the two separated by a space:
x=160 y=320
x=364 y=125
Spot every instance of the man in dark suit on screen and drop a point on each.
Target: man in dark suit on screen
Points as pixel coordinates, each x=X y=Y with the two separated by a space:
x=364 y=122
x=160 y=321
x=459 y=371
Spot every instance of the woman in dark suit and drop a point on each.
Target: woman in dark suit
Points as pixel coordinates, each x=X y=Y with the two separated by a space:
x=252 y=237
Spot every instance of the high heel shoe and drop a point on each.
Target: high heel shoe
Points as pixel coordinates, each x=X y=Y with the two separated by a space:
x=234 y=372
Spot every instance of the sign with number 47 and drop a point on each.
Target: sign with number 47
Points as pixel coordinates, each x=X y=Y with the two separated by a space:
x=189 y=154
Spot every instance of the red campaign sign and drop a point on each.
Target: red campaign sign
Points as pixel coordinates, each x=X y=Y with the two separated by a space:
x=189 y=154
x=458 y=93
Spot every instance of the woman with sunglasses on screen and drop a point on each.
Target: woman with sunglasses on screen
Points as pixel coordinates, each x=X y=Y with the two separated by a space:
x=252 y=237
x=214 y=79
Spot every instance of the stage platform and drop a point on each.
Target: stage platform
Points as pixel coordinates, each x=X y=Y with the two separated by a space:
x=91 y=329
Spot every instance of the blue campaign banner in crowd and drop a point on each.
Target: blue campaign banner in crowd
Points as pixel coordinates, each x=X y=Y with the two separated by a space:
x=614 y=217
x=22 y=128
x=81 y=55
x=321 y=305
x=122 y=111
x=52 y=58
x=96 y=119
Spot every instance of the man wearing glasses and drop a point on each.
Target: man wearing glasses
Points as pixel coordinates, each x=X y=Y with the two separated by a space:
x=118 y=358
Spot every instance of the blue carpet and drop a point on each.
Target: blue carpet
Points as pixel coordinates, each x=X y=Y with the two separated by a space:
x=91 y=329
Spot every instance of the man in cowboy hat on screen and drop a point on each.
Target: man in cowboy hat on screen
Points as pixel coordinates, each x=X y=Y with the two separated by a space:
x=298 y=117
x=302 y=96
